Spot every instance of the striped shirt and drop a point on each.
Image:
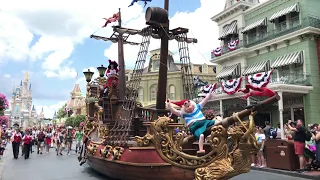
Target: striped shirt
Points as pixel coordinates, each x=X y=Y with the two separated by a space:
x=194 y=116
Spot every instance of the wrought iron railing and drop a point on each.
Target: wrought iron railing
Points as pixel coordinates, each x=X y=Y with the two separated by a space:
x=226 y=50
x=293 y=26
x=290 y=77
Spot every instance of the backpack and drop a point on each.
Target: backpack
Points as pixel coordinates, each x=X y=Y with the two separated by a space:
x=273 y=133
x=308 y=135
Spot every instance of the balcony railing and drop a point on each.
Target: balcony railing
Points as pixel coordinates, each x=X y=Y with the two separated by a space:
x=226 y=50
x=283 y=29
x=289 y=77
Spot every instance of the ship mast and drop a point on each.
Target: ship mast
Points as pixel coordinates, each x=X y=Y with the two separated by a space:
x=122 y=73
x=163 y=68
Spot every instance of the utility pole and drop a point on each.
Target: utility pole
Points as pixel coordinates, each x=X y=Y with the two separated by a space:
x=163 y=67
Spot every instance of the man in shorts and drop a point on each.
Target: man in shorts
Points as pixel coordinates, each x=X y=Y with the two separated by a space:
x=79 y=136
x=41 y=136
x=299 y=142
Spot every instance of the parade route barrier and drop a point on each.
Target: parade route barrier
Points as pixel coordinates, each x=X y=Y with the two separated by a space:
x=280 y=155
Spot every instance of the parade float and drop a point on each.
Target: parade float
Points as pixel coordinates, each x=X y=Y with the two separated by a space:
x=126 y=141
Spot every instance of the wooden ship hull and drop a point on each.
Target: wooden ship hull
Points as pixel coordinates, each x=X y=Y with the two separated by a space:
x=142 y=164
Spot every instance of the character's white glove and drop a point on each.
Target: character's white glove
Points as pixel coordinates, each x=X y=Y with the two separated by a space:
x=168 y=102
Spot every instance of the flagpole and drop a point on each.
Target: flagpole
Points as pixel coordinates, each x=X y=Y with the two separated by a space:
x=122 y=74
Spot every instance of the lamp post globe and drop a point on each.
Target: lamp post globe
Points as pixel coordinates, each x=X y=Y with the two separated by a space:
x=88 y=74
x=102 y=70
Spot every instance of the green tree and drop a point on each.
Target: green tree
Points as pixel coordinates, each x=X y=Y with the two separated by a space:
x=69 y=122
x=62 y=112
x=75 y=120
x=78 y=119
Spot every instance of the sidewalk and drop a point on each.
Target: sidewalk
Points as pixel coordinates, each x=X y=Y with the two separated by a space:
x=307 y=175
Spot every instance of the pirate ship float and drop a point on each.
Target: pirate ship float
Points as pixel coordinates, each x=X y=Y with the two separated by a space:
x=122 y=142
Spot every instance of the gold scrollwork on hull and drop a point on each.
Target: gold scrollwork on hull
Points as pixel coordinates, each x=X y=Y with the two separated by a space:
x=89 y=127
x=145 y=140
x=92 y=148
x=170 y=149
x=103 y=131
x=117 y=152
x=228 y=165
x=106 y=151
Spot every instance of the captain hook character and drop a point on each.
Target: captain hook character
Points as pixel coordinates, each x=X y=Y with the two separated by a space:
x=195 y=120
x=112 y=74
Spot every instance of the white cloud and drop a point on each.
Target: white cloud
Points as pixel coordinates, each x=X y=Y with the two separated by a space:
x=7 y=76
x=49 y=110
x=199 y=24
x=60 y=27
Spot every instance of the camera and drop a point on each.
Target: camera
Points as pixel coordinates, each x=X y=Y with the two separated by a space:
x=293 y=124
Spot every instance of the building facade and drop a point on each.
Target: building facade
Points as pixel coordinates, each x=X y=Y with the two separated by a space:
x=22 y=112
x=76 y=105
x=149 y=80
x=278 y=36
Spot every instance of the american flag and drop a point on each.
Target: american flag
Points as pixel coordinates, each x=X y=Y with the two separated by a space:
x=109 y=20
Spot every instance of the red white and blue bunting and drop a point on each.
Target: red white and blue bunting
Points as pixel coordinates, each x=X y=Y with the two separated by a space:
x=232 y=45
x=217 y=51
x=259 y=80
x=204 y=90
x=231 y=86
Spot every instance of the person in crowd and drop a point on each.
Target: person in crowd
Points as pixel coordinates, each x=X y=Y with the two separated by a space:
x=48 y=140
x=316 y=138
x=60 y=142
x=278 y=131
x=287 y=132
x=2 y=148
x=40 y=139
x=299 y=139
x=16 y=140
x=254 y=156
x=79 y=136
x=9 y=134
x=261 y=138
x=266 y=130
x=22 y=144
x=27 y=140
x=69 y=139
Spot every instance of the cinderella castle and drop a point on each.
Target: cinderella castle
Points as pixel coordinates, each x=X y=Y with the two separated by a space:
x=22 y=112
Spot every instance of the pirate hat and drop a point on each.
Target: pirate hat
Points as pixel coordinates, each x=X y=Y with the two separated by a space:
x=180 y=103
x=114 y=63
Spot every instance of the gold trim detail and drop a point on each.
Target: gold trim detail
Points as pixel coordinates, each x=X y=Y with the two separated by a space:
x=117 y=152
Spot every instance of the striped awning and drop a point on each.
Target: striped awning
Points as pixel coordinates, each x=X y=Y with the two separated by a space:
x=229 y=29
x=293 y=8
x=257 y=67
x=228 y=71
x=262 y=22
x=288 y=59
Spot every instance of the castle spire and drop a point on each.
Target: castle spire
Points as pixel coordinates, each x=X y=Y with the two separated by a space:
x=21 y=83
x=26 y=76
x=33 y=109
x=30 y=86
x=42 y=110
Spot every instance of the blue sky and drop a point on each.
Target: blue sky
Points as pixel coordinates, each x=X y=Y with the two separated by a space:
x=52 y=41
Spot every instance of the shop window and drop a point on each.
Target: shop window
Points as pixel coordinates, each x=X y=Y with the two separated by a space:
x=172 y=91
x=153 y=93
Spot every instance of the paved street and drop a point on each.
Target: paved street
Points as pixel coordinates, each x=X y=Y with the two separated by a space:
x=51 y=167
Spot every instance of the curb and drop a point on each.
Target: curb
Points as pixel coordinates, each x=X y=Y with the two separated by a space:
x=285 y=172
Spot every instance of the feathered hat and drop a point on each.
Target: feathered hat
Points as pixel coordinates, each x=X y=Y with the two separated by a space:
x=180 y=103
x=114 y=63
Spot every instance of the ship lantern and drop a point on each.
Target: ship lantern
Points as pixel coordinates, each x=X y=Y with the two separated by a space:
x=156 y=15
x=102 y=70
x=88 y=74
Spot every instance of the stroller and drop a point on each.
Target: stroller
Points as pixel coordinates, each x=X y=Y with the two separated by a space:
x=310 y=152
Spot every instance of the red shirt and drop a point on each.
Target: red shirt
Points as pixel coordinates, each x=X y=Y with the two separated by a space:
x=17 y=138
x=27 y=139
